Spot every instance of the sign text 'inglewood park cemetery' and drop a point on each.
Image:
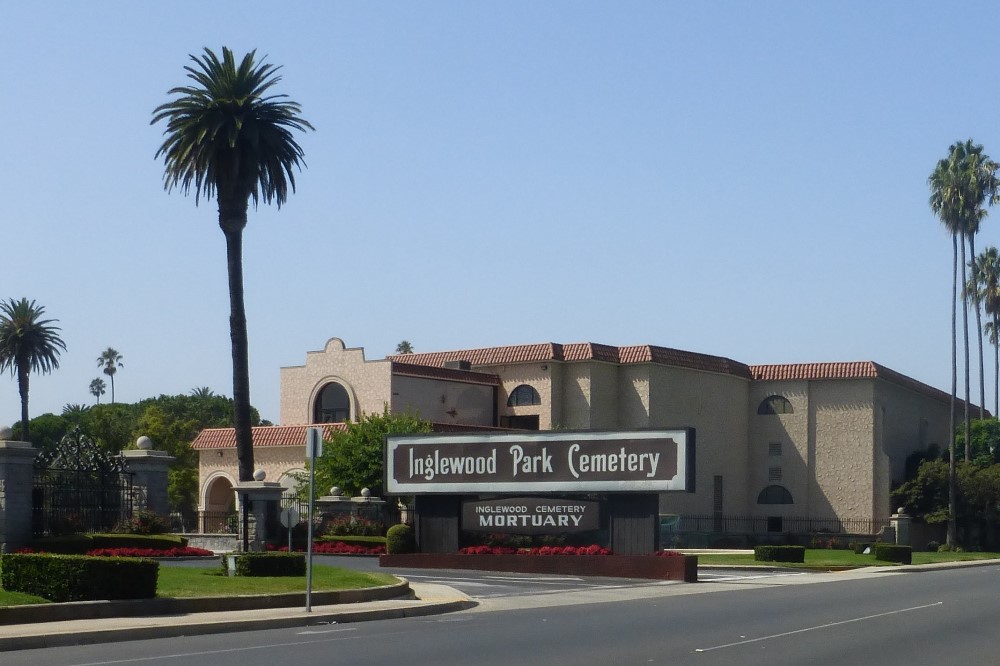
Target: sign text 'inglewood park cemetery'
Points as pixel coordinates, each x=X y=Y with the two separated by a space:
x=648 y=461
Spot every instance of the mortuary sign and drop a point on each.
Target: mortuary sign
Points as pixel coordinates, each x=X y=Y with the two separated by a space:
x=621 y=461
x=531 y=515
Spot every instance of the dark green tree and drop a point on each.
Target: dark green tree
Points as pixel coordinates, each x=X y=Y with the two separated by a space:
x=404 y=347
x=28 y=343
x=228 y=136
x=352 y=458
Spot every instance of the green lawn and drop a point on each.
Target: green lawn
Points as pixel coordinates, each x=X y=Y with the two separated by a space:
x=209 y=582
x=823 y=558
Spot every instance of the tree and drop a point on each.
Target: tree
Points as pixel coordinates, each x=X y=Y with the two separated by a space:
x=110 y=360
x=404 y=347
x=97 y=388
x=202 y=392
x=28 y=344
x=986 y=284
x=352 y=458
x=227 y=136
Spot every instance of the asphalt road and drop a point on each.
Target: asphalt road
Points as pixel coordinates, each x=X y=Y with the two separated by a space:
x=874 y=618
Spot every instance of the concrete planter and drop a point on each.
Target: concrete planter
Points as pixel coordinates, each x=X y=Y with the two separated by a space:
x=678 y=567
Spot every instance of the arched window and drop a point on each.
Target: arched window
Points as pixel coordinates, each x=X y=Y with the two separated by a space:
x=524 y=395
x=775 y=404
x=774 y=495
x=332 y=405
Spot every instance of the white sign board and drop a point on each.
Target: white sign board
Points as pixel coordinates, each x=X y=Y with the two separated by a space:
x=314 y=443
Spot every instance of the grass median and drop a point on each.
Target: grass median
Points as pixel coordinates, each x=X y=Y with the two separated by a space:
x=823 y=558
x=210 y=582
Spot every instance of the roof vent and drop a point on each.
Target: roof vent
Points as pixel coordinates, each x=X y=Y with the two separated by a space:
x=458 y=365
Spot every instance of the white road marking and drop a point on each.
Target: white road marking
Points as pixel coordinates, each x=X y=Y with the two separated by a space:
x=821 y=626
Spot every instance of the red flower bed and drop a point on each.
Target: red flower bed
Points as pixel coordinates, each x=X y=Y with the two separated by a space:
x=541 y=550
x=186 y=551
x=337 y=548
x=667 y=553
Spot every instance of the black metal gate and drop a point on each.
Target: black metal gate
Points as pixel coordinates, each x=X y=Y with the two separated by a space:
x=79 y=487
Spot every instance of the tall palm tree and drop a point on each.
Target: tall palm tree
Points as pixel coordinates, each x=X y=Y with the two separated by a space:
x=946 y=201
x=97 y=387
x=982 y=186
x=110 y=360
x=28 y=344
x=987 y=272
x=228 y=136
x=202 y=392
x=404 y=347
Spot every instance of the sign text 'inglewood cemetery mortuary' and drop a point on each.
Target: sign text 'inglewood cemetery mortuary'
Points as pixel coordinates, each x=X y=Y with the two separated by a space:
x=634 y=461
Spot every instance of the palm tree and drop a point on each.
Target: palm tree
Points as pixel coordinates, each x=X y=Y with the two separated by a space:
x=987 y=271
x=227 y=136
x=28 y=344
x=110 y=360
x=960 y=184
x=202 y=392
x=404 y=347
x=97 y=387
x=946 y=201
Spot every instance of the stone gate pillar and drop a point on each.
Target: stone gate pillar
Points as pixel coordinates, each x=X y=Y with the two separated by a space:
x=16 y=472
x=263 y=502
x=149 y=477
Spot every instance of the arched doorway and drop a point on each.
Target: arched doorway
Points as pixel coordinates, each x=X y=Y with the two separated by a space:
x=218 y=514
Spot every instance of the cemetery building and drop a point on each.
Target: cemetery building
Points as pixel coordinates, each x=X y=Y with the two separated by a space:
x=774 y=443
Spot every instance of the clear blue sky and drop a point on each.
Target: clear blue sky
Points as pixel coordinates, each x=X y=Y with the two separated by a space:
x=746 y=179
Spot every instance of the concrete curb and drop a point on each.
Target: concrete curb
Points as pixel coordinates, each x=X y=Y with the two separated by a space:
x=195 y=626
x=100 y=610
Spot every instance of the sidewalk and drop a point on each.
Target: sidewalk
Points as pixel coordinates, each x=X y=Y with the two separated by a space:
x=431 y=599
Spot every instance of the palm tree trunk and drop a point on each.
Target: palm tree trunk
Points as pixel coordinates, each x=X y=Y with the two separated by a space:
x=965 y=337
x=979 y=326
x=954 y=389
x=22 y=389
x=112 y=375
x=233 y=219
x=996 y=367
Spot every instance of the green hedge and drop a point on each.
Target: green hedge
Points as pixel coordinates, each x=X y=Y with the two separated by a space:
x=79 y=544
x=268 y=564
x=400 y=539
x=890 y=552
x=62 y=578
x=779 y=553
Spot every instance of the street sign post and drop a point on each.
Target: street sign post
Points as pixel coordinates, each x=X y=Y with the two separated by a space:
x=314 y=449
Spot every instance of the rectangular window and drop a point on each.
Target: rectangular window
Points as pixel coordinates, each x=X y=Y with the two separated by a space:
x=774 y=474
x=774 y=449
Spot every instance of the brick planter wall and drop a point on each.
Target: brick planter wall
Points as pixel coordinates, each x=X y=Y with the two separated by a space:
x=679 y=567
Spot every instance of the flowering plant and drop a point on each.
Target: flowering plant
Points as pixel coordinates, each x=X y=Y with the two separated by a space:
x=177 y=551
x=337 y=548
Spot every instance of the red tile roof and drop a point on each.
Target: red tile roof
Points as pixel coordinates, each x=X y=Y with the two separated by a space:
x=852 y=370
x=292 y=435
x=431 y=372
x=585 y=351
x=295 y=435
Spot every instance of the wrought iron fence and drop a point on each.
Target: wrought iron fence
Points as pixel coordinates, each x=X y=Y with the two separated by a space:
x=781 y=525
x=66 y=501
x=80 y=487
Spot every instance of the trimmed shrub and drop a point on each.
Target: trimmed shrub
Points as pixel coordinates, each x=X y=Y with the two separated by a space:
x=400 y=539
x=80 y=544
x=779 y=553
x=269 y=564
x=63 y=578
x=933 y=546
x=890 y=552
x=143 y=521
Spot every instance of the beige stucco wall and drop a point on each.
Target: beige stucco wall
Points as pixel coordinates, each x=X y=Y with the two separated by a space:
x=368 y=383
x=715 y=406
x=792 y=432
x=843 y=424
x=906 y=421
